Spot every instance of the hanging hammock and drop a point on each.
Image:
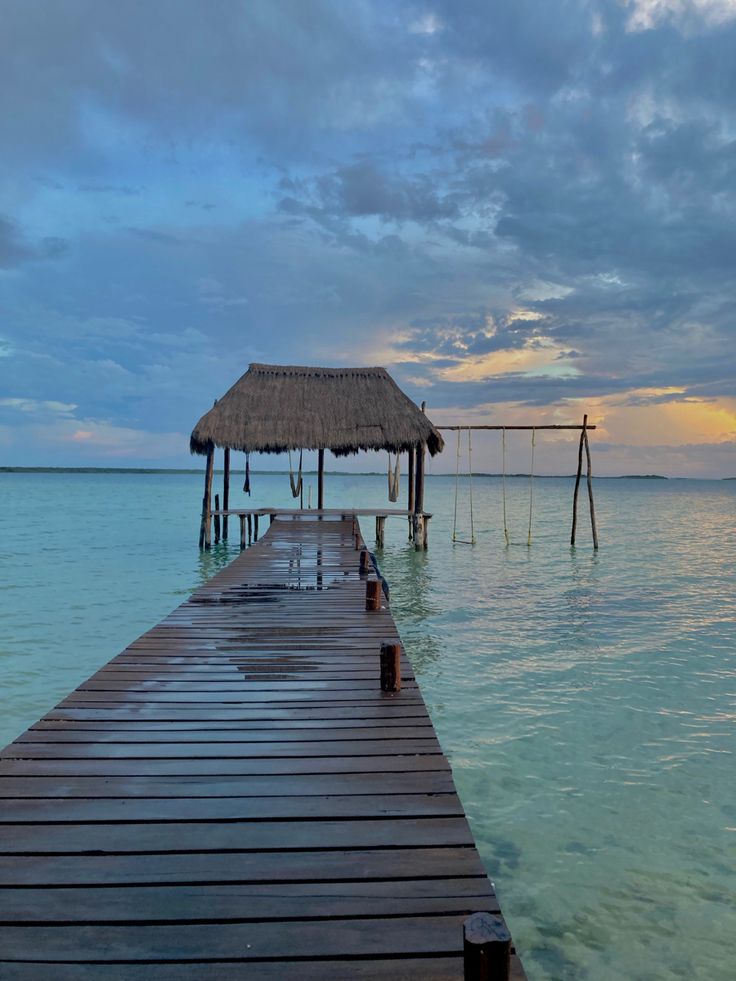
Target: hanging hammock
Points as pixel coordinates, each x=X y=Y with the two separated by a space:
x=531 y=489
x=394 y=478
x=246 y=482
x=455 y=539
x=296 y=485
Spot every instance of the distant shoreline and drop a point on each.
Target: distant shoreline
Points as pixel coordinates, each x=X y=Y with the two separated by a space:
x=339 y=473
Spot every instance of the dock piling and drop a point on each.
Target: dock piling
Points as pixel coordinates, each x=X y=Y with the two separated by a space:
x=486 y=948
x=373 y=594
x=390 y=667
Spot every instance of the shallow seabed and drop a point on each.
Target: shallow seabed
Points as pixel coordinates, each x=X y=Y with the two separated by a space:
x=587 y=702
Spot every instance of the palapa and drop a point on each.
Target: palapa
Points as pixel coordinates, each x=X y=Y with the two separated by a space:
x=276 y=408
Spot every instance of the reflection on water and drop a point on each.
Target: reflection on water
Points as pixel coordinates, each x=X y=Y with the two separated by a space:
x=587 y=702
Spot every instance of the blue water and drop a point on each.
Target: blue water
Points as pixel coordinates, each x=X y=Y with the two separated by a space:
x=587 y=701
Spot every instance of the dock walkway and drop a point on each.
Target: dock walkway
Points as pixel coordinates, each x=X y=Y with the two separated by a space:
x=234 y=797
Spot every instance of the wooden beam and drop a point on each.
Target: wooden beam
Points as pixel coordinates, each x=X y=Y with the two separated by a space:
x=577 y=484
x=535 y=428
x=593 y=527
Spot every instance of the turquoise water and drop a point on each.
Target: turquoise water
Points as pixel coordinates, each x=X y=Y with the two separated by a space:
x=587 y=702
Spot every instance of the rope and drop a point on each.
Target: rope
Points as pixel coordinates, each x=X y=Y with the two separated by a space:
x=464 y=541
x=457 y=481
x=531 y=489
x=394 y=479
x=503 y=485
x=296 y=487
x=470 y=487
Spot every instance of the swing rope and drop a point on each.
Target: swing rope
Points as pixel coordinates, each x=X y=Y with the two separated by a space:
x=503 y=486
x=394 y=479
x=296 y=486
x=455 y=539
x=531 y=488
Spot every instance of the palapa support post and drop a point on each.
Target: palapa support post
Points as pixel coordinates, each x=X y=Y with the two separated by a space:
x=577 y=483
x=410 y=488
x=380 y=530
x=486 y=948
x=321 y=479
x=419 y=542
x=225 y=491
x=205 y=526
x=242 y=531
x=217 y=518
x=365 y=560
x=391 y=667
x=373 y=594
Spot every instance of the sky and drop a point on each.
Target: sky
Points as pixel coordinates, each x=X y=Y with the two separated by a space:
x=524 y=209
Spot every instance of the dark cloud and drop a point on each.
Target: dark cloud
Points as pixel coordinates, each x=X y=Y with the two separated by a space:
x=16 y=248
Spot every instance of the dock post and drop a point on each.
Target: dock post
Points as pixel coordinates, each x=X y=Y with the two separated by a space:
x=205 y=531
x=373 y=594
x=486 y=948
x=225 y=491
x=365 y=562
x=380 y=530
x=250 y=529
x=242 y=531
x=255 y=527
x=391 y=667
x=410 y=495
x=320 y=479
x=217 y=519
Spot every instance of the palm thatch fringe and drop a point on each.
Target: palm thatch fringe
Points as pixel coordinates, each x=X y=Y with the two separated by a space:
x=275 y=408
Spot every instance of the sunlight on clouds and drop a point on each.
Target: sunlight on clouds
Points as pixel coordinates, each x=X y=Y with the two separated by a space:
x=671 y=423
x=538 y=356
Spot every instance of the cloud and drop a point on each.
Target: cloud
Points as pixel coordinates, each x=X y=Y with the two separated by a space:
x=16 y=249
x=522 y=204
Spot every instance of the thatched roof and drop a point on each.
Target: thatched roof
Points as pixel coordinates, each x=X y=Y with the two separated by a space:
x=274 y=408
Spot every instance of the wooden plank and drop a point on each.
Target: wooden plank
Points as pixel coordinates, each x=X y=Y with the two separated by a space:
x=336 y=806
x=260 y=866
x=181 y=836
x=248 y=903
x=248 y=942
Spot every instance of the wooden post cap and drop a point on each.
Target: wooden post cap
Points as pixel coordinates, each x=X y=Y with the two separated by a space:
x=486 y=948
x=373 y=594
x=391 y=667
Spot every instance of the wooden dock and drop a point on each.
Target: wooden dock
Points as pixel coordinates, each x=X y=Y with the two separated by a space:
x=233 y=796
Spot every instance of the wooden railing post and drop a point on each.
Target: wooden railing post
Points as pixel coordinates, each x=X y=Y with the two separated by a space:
x=373 y=594
x=486 y=948
x=391 y=667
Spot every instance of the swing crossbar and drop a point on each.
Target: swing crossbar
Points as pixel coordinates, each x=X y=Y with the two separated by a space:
x=499 y=428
